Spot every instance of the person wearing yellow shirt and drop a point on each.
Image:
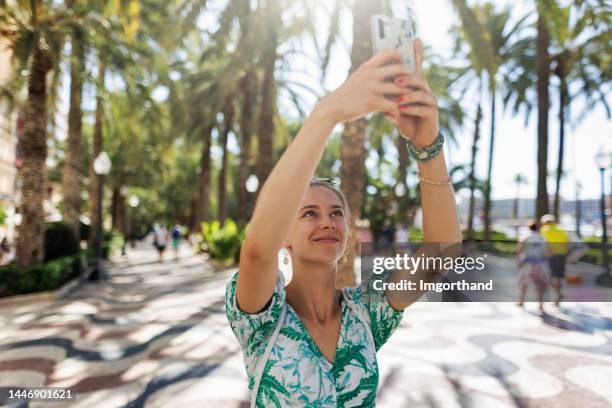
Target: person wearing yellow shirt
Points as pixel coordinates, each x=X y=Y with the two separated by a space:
x=559 y=244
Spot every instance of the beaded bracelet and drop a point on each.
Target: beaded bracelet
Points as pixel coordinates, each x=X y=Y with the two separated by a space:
x=428 y=152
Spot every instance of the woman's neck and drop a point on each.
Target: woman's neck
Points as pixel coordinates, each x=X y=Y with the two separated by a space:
x=312 y=292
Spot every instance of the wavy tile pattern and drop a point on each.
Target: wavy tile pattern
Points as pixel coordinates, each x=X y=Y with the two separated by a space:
x=155 y=335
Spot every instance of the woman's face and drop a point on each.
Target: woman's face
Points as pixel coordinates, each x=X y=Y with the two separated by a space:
x=320 y=232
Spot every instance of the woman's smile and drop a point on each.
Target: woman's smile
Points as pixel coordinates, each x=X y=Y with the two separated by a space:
x=327 y=239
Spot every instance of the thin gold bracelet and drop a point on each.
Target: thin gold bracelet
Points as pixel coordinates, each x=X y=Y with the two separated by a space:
x=435 y=183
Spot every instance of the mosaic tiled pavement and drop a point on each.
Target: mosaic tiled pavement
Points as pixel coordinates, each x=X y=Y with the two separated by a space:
x=156 y=335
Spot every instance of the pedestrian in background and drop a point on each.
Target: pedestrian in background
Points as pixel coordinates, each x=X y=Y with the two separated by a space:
x=558 y=239
x=532 y=258
x=401 y=234
x=5 y=250
x=160 y=241
x=176 y=240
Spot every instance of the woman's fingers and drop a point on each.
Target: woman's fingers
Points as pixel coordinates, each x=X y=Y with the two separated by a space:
x=417 y=97
x=382 y=104
x=391 y=71
x=383 y=58
x=388 y=88
x=412 y=81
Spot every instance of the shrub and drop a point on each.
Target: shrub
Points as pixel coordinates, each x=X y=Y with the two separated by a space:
x=59 y=241
x=111 y=241
x=223 y=243
x=51 y=275
x=495 y=236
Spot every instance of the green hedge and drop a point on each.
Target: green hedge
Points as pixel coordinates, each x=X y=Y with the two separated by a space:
x=222 y=243
x=111 y=241
x=60 y=241
x=51 y=275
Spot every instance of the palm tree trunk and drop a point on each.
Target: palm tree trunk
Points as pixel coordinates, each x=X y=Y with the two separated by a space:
x=72 y=171
x=228 y=118
x=33 y=146
x=543 y=79
x=488 y=185
x=193 y=215
x=472 y=208
x=203 y=203
x=352 y=151
x=268 y=101
x=95 y=195
x=562 y=105
x=246 y=129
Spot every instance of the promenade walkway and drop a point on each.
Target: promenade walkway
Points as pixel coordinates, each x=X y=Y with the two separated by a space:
x=155 y=334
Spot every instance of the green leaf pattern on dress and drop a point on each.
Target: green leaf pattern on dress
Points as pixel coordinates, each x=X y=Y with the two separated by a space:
x=297 y=374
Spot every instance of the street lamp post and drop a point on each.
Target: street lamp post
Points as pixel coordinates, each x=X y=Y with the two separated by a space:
x=578 y=209
x=604 y=279
x=102 y=166
x=124 y=218
x=133 y=201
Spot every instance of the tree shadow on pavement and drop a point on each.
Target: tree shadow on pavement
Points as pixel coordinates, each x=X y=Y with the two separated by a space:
x=575 y=320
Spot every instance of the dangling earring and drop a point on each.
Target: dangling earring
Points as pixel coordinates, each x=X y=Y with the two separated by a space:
x=286 y=258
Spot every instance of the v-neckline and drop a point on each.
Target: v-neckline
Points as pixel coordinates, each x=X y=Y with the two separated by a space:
x=311 y=339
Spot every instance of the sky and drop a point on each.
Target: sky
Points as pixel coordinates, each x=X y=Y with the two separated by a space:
x=515 y=146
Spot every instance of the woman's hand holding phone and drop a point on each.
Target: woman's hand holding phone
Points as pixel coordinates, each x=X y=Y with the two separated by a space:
x=418 y=118
x=365 y=89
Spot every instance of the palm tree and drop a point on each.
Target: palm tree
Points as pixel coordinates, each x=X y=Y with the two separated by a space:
x=352 y=153
x=228 y=123
x=530 y=69
x=33 y=146
x=265 y=131
x=247 y=84
x=542 y=86
x=95 y=184
x=572 y=60
x=35 y=37
x=110 y=27
x=500 y=34
x=71 y=176
x=472 y=78
x=576 y=61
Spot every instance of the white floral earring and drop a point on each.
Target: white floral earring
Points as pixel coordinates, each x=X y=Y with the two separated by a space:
x=286 y=257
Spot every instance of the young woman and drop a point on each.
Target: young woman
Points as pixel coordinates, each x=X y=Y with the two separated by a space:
x=532 y=257
x=310 y=344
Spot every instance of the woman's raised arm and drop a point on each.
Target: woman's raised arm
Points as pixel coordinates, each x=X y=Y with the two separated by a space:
x=281 y=195
x=419 y=123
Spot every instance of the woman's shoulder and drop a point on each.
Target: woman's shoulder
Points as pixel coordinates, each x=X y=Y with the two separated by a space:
x=353 y=294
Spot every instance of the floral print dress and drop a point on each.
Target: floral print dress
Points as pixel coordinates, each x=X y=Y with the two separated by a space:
x=296 y=373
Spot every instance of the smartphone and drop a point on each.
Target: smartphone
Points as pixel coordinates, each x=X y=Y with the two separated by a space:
x=394 y=33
